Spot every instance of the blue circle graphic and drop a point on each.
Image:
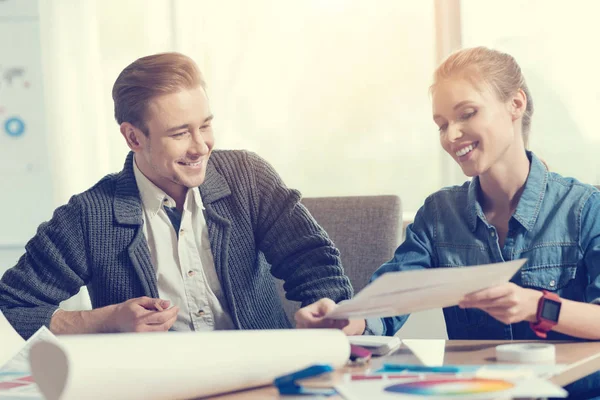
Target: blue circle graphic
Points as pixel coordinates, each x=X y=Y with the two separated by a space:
x=14 y=127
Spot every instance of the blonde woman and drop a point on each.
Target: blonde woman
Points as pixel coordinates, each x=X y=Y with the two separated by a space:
x=512 y=208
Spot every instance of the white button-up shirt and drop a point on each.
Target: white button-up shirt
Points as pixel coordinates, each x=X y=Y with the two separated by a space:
x=183 y=261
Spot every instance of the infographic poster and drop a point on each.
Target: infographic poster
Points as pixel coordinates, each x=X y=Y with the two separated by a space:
x=25 y=176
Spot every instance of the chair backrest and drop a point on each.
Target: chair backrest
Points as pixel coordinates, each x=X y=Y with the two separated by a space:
x=366 y=230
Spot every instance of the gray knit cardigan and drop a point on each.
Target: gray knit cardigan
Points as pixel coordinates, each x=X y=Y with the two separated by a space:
x=257 y=227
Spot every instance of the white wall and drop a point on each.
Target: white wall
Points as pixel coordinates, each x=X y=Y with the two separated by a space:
x=25 y=177
x=9 y=255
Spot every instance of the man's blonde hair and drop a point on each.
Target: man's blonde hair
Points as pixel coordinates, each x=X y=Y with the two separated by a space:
x=148 y=77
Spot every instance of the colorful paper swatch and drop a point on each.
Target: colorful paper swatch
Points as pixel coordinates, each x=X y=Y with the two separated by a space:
x=450 y=386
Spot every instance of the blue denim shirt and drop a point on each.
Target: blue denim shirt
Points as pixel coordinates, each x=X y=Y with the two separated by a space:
x=556 y=226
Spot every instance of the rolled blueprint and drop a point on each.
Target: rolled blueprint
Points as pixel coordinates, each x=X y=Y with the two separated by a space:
x=177 y=365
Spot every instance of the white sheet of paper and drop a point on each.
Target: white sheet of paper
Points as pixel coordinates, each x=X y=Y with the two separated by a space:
x=429 y=351
x=399 y=293
x=19 y=362
x=14 y=362
x=9 y=338
x=172 y=365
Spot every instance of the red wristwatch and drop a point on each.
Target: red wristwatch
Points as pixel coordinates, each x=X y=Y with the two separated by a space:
x=548 y=311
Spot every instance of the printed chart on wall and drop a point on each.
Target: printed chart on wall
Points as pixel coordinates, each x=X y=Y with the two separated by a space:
x=25 y=182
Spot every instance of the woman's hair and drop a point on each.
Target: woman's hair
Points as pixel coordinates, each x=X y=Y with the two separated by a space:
x=499 y=70
x=148 y=77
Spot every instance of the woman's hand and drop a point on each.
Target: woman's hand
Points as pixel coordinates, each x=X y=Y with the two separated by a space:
x=508 y=303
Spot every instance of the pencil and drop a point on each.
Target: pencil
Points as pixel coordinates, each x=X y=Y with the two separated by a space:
x=158 y=306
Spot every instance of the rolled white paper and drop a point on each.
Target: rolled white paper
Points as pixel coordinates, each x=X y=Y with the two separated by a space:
x=156 y=366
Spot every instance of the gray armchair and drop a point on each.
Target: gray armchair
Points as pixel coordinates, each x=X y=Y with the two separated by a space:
x=366 y=230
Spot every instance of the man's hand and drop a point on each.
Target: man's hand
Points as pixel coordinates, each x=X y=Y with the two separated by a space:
x=142 y=314
x=508 y=303
x=313 y=316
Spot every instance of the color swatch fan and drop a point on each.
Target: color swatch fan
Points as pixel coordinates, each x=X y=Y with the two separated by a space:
x=451 y=387
x=446 y=387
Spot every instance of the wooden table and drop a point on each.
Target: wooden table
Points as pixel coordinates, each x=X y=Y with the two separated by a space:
x=581 y=358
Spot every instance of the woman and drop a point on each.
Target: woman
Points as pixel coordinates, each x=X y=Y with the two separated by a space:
x=512 y=208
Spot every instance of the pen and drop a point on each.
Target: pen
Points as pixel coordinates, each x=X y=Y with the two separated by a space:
x=361 y=377
x=419 y=368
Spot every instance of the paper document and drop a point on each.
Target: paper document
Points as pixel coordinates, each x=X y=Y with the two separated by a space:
x=178 y=365
x=429 y=352
x=20 y=361
x=399 y=293
x=15 y=375
x=10 y=339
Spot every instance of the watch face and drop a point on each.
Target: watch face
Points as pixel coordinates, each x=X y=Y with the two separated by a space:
x=550 y=310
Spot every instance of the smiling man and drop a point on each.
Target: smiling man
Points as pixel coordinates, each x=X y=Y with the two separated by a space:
x=184 y=238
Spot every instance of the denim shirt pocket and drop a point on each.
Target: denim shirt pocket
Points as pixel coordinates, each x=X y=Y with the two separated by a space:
x=551 y=278
x=551 y=266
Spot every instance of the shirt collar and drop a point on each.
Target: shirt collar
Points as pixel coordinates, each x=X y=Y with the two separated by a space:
x=198 y=198
x=528 y=208
x=530 y=202
x=474 y=210
x=153 y=197
x=192 y=201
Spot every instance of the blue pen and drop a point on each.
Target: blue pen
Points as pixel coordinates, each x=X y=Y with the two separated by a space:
x=420 y=368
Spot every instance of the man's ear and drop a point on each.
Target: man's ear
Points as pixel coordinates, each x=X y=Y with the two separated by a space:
x=518 y=104
x=132 y=135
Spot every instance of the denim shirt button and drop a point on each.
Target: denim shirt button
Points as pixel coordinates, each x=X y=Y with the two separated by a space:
x=552 y=283
x=492 y=233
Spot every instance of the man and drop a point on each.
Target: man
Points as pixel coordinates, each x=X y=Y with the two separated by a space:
x=183 y=238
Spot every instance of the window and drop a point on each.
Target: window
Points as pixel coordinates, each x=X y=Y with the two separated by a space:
x=554 y=43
